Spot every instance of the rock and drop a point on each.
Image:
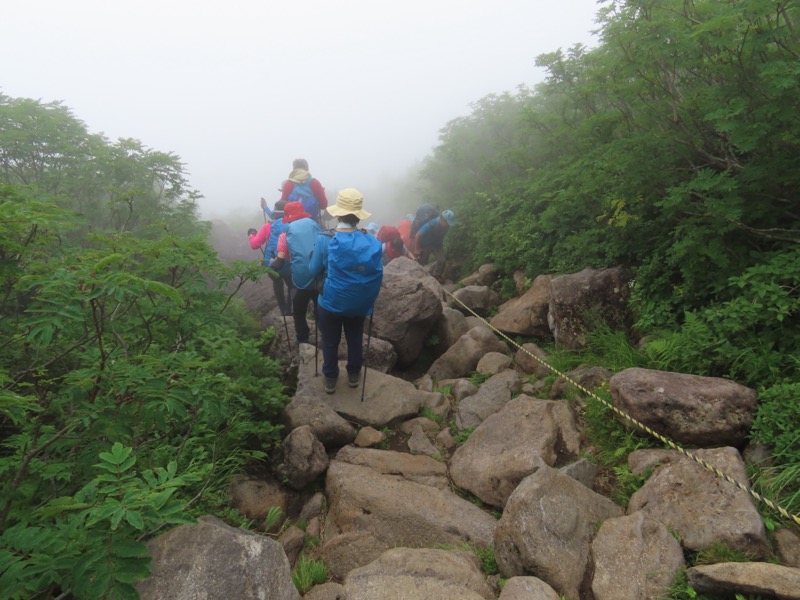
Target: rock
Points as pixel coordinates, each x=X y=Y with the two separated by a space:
x=213 y=560
x=369 y=436
x=486 y=275
x=254 y=497
x=521 y=281
x=419 y=443
x=635 y=557
x=407 y=309
x=527 y=315
x=527 y=588
x=370 y=513
x=582 y=471
x=704 y=509
x=491 y=397
x=547 y=528
x=327 y=591
x=493 y=363
x=450 y=326
x=590 y=378
x=588 y=294
x=529 y=365
x=426 y=424
x=304 y=458
x=312 y=508
x=419 y=574
x=788 y=543
x=689 y=409
x=387 y=399
x=760 y=579
x=328 y=427
x=461 y=388
x=480 y=298
x=292 y=541
x=445 y=439
x=461 y=359
x=641 y=461
x=511 y=444
x=419 y=469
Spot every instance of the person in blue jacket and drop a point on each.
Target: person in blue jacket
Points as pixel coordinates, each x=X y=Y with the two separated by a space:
x=351 y=260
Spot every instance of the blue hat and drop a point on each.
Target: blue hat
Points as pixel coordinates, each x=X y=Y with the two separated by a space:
x=449 y=217
x=409 y=217
x=373 y=228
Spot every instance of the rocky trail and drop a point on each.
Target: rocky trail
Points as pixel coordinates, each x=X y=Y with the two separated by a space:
x=456 y=486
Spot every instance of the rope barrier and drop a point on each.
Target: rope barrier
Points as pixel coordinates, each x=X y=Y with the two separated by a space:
x=745 y=488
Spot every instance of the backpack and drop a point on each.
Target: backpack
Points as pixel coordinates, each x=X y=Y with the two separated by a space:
x=271 y=250
x=387 y=233
x=425 y=213
x=355 y=273
x=301 y=192
x=300 y=237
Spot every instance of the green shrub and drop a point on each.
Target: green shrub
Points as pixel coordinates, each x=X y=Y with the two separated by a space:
x=309 y=573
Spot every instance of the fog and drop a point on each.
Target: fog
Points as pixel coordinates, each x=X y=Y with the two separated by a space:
x=237 y=89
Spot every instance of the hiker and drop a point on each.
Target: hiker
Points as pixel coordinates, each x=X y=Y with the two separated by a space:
x=392 y=244
x=270 y=233
x=352 y=258
x=429 y=240
x=404 y=227
x=302 y=187
x=373 y=229
x=296 y=244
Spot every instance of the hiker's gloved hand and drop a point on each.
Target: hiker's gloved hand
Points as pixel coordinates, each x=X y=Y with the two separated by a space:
x=263 y=204
x=251 y=232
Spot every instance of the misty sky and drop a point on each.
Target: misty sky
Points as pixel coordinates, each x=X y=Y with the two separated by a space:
x=239 y=88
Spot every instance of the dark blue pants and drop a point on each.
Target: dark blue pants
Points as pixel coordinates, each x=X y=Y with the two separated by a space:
x=330 y=327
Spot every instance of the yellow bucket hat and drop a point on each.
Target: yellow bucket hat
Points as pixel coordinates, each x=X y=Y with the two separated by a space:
x=349 y=202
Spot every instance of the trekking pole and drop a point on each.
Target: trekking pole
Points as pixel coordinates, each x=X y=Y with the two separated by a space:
x=366 y=354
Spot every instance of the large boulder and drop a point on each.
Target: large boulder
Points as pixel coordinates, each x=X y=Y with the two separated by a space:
x=509 y=445
x=547 y=528
x=527 y=588
x=328 y=426
x=527 y=315
x=419 y=574
x=704 y=509
x=763 y=580
x=491 y=397
x=370 y=512
x=450 y=326
x=485 y=275
x=304 y=458
x=407 y=309
x=419 y=469
x=479 y=299
x=690 y=409
x=386 y=399
x=635 y=557
x=577 y=299
x=462 y=358
x=213 y=560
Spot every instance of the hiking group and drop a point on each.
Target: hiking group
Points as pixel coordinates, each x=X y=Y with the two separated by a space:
x=338 y=270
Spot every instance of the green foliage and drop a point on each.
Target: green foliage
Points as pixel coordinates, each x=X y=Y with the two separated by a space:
x=479 y=378
x=627 y=483
x=720 y=552
x=428 y=413
x=462 y=436
x=777 y=422
x=309 y=573
x=121 y=339
x=488 y=561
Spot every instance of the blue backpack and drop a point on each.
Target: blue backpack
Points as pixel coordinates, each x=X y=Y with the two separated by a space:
x=271 y=251
x=300 y=237
x=355 y=273
x=301 y=192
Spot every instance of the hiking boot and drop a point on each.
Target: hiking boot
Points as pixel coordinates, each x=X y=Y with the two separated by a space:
x=330 y=385
x=353 y=379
